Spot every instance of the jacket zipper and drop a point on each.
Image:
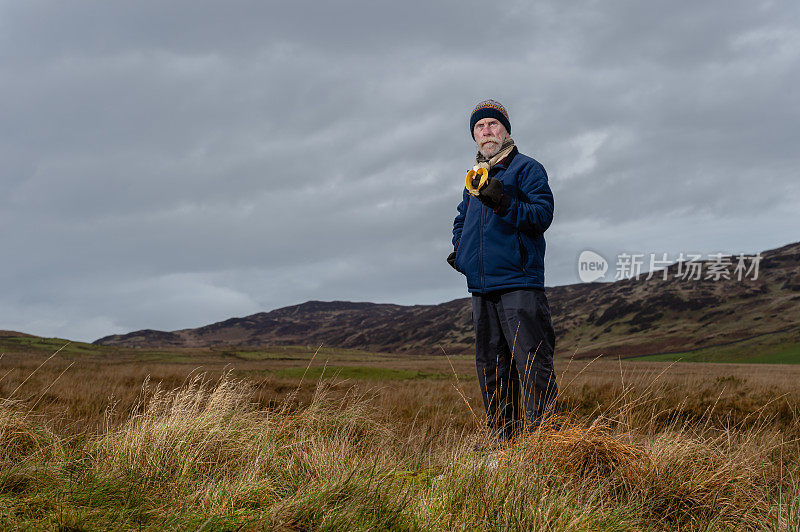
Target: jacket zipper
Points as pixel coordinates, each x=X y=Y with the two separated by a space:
x=480 y=255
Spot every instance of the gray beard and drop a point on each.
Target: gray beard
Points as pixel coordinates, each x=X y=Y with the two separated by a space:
x=486 y=162
x=490 y=153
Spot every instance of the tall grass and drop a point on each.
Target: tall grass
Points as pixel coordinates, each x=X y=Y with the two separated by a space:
x=206 y=455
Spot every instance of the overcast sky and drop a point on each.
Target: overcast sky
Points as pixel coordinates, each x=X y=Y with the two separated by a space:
x=168 y=164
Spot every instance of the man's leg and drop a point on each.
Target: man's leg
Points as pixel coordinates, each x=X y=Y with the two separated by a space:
x=528 y=328
x=494 y=364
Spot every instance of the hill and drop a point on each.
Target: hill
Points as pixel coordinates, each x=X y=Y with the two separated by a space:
x=15 y=334
x=629 y=317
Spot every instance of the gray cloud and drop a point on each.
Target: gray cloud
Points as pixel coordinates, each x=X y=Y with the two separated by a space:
x=168 y=165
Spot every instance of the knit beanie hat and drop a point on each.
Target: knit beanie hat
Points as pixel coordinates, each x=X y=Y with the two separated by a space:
x=489 y=109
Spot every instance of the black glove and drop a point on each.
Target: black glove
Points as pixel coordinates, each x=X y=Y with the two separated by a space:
x=451 y=260
x=491 y=194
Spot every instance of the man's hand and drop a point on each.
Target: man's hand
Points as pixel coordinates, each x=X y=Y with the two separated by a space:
x=451 y=260
x=491 y=195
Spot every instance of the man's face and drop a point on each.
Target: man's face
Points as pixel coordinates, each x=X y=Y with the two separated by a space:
x=489 y=135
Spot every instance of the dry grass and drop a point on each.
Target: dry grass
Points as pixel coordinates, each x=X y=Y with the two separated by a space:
x=639 y=447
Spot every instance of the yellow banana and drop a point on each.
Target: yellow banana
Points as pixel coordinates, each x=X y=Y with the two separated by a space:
x=484 y=175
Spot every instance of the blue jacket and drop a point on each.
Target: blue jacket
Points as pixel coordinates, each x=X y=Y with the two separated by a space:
x=505 y=248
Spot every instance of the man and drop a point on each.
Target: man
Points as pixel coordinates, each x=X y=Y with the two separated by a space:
x=498 y=239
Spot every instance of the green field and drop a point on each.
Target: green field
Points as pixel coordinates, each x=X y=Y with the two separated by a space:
x=778 y=348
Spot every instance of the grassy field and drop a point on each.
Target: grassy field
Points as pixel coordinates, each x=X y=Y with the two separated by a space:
x=779 y=348
x=299 y=438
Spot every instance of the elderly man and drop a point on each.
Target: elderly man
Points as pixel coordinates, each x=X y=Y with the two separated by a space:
x=498 y=240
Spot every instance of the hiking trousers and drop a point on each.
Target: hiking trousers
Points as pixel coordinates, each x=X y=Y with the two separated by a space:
x=514 y=345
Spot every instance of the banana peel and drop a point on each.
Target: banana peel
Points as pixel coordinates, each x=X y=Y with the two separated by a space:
x=476 y=180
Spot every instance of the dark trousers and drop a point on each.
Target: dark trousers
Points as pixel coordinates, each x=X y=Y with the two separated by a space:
x=514 y=344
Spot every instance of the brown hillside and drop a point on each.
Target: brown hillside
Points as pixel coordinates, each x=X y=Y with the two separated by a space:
x=626 y=317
